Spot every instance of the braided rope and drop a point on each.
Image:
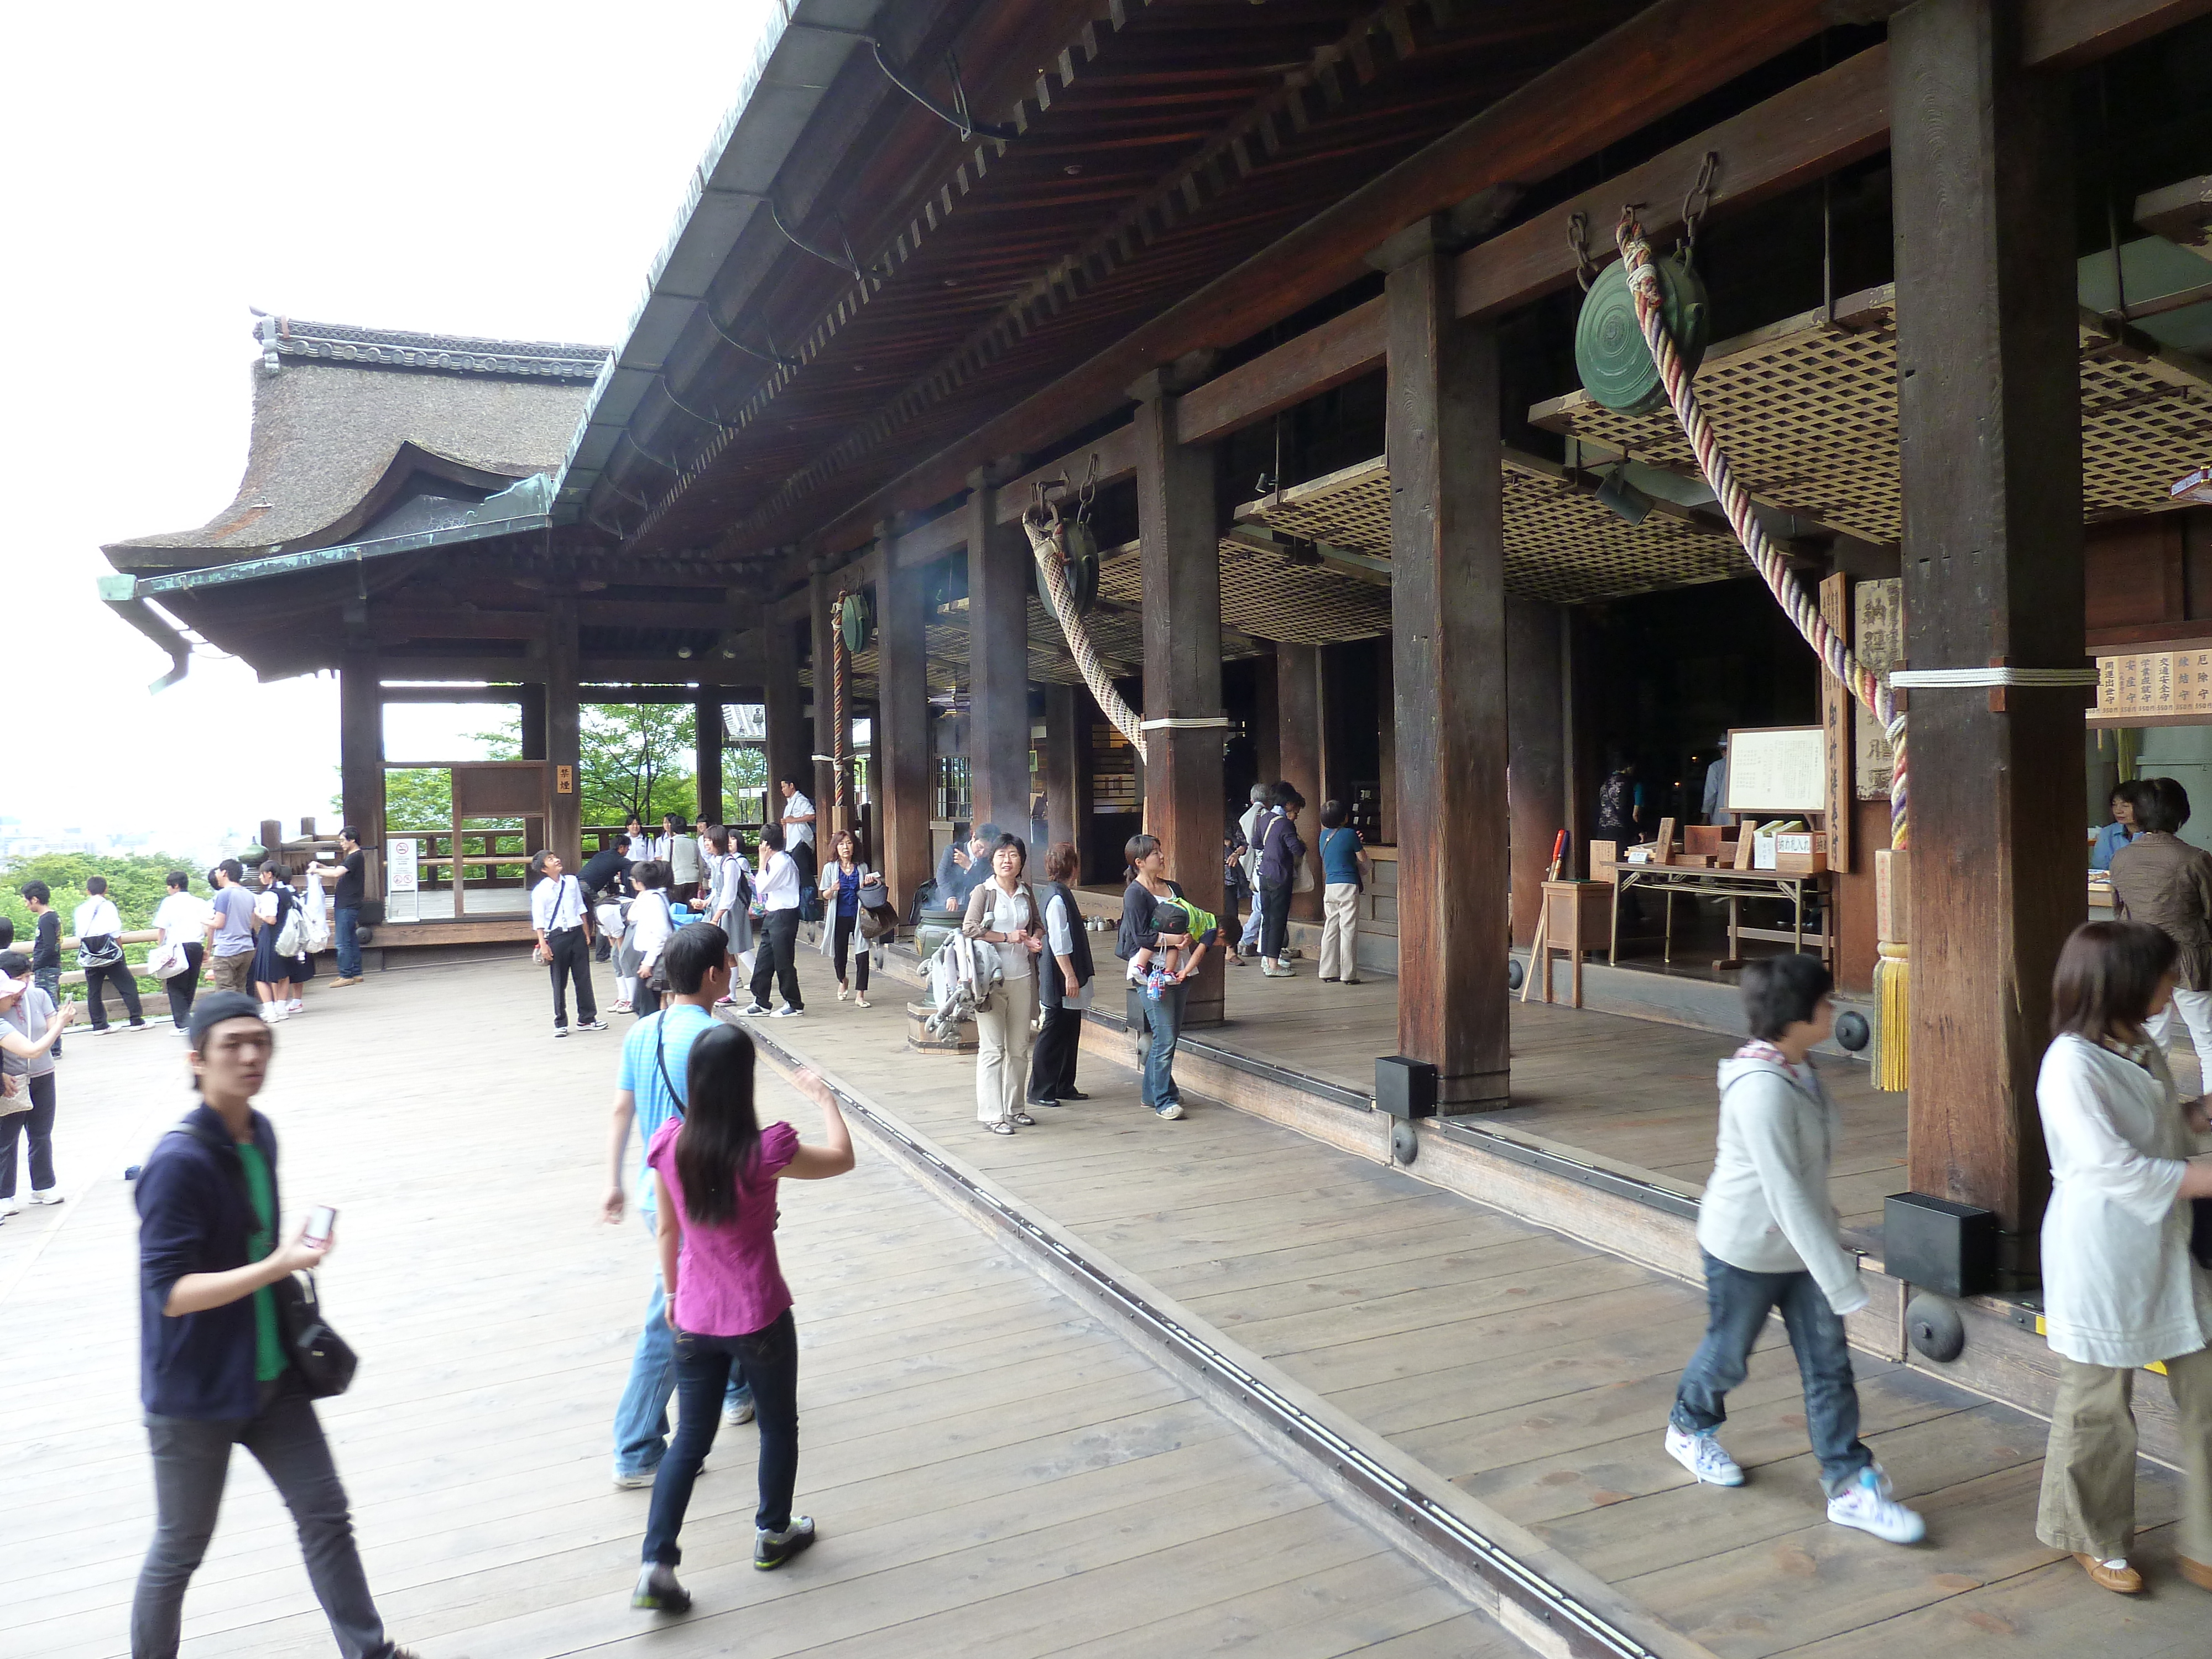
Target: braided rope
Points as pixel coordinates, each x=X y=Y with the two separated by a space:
x=1110 y=704
x=841 y=736
x=1801 y=607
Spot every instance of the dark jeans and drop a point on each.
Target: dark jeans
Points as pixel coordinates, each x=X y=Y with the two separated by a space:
x=191 y=1460
x=38 y=1124
x=125 y=979
x=1052 y=1062
x=1165 y=1018
x=344 y=924
x=1275 y=930
x=49 y=980
x=843 y=941
x=183 y=987
x=775 y=960
x=572 y=961
x=1736 y=1306
x=768 y=1360
x=646 y=1001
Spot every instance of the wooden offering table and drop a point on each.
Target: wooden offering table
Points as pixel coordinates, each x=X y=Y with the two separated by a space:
x=1735 y=886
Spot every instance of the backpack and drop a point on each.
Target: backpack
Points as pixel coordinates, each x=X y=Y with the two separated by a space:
x=292 y=936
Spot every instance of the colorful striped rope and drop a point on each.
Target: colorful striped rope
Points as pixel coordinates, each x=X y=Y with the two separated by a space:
x=1046 y=548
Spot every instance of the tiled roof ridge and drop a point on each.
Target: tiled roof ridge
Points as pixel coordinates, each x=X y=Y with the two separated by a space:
x=297 y=337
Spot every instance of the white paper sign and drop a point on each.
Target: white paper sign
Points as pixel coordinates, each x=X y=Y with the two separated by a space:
x=400 y=866
x=1781 y=769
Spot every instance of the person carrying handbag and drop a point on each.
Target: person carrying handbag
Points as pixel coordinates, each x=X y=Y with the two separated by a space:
x=847 y=887
x=100 y=953
x=183 y=920
x=215 y=1370
x=1003 y=911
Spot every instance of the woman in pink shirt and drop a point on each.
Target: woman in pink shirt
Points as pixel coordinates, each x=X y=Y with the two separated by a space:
x=714 y=1171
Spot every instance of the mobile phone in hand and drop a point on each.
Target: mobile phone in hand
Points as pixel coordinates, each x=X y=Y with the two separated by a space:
x=320 y=1220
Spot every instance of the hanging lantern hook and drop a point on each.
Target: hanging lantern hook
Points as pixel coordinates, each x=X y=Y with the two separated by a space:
x=1698 y=202
x=1579 y=240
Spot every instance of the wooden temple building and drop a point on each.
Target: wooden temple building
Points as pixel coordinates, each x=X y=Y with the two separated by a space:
x=1286 y=295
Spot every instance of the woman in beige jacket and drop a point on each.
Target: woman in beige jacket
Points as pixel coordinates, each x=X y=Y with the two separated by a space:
x=1003 y=912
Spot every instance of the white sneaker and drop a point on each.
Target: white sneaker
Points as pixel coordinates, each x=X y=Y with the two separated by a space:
x=1702 y=1456
x=296 y=1005
x=786 y=1012
x=737 y=1416
x=11 y=1206
x=1168 y=1112
x=632 y=1480
x=1866 y=1503
x=49 y=1197
x=752 y=1011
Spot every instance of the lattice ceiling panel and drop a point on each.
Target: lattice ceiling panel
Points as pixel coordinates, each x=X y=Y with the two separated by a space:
x=1808 y=411
x=1264 y=596
x=1561 y=544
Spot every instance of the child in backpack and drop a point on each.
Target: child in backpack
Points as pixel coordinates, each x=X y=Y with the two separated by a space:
x=1771 y=1240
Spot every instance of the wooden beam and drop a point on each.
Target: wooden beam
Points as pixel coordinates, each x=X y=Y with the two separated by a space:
x=360 y=760
x=1992 y=555
x=822 y=650
x=706 y=757
x=1535 y=724
x=1447 y=635
x=509 y=695
x=1326 y=357
x=705 y=611
x=901 y=770
x=926 y=543
x=1666 y=55
x=1179 y=528
x=998 y=661
x=787 y=745
x=396 y=623
x=2067 y=34
x=701 y=670
x=495 y=670
x=1299 y=754
x=564 y=826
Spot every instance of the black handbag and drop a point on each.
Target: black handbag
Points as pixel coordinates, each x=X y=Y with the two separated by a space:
x=324 y=1360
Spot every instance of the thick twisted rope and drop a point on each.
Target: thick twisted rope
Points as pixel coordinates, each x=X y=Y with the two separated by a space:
x=841 y=733
x=1801 y=606
x=1055 y=571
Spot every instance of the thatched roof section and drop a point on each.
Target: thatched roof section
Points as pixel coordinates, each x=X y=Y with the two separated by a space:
x=346 y=418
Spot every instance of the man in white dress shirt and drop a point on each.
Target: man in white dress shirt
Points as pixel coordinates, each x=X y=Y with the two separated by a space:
x=563 y=923
x=97 y=920
x=775 y=956
x=798 y=828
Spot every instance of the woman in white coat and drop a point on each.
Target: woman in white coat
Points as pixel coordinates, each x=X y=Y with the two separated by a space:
x=1003 y=912
x=2120 y=1288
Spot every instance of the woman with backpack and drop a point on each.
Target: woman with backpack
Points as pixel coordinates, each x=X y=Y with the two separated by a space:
x=1282 y=856
x=1003 y=912
x=282 y=967
x=2120 y=1288
x=714 y=1171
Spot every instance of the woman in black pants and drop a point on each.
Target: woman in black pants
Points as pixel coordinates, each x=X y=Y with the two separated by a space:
x=1280 y=855
x=847 y=885
x=1064 y=976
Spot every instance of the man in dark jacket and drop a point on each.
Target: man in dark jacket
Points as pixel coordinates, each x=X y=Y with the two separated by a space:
x=605 y=875
x=213 y=1371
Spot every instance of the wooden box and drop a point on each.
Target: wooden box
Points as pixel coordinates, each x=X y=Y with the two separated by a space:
x=1578 y=914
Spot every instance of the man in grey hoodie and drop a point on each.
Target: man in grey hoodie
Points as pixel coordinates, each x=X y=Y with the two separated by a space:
x=1771 y=1240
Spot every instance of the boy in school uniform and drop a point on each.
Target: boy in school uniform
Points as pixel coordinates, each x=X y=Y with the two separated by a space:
x=1771 y=1240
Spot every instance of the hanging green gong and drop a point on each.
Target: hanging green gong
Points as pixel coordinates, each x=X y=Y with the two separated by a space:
x=1610 y=352
x=1082 y=547
x=854 y=621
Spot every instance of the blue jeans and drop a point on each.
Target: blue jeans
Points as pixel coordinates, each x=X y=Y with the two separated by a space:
x=342 y=932
x=641 y=1418
x=1250 y=938
x=1165 y=1018
x=1737 y=1303
x=768 y=1359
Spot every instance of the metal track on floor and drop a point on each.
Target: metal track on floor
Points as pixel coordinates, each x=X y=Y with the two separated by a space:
x=1432 y=1525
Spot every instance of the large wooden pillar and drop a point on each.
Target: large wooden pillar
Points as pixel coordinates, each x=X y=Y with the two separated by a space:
x=1299 y=753
x=1535 y=724
x=1989 y=420
x=902 y=773
x=531 y=716
x=564 y=825
x=706 y=753
x=1177 y=519
x=998 y=659
x=821 y=588
x=1064 y=708
x=1448 y=626
x=787 y=744
x=360 y=758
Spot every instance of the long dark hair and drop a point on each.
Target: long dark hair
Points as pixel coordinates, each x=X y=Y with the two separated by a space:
x=2107 y=976
x=720 y=1141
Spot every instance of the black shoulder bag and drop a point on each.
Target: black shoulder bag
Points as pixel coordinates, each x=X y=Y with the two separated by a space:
x=324 y=1360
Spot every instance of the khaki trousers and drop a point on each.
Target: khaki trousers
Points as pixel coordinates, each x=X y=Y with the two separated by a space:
x=233 y=973
x=2088 y=1503
x=1340 y=930
x=1002 y=1049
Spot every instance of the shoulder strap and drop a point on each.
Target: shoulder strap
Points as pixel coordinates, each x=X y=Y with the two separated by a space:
x=660 y=1059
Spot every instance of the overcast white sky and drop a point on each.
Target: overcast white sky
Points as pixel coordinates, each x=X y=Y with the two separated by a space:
x=463 y=167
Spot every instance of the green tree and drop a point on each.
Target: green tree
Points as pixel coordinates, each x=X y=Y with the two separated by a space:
x=137 y=883
x=417 y=799
x=634 y=758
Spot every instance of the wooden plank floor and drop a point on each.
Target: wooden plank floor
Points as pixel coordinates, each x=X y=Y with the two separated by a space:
x=994 y=1474
x=1536 y=1373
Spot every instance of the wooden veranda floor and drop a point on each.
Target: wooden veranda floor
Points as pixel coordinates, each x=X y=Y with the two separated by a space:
x=993 y=1472
x=1535 y=1373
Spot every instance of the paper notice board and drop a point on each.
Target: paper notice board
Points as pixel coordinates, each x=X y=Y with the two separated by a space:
x=1778 y=769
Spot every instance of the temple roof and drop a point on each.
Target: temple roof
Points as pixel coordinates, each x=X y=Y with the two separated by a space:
x=350 y=424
